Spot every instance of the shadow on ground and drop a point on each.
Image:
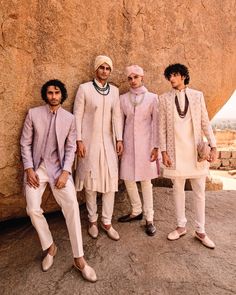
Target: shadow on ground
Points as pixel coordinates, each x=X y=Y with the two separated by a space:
x=137 y=264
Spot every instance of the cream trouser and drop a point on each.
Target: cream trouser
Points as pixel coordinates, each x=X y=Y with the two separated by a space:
x=135 y=201
x=66 y=198
x=107 y=206
x=198 y=187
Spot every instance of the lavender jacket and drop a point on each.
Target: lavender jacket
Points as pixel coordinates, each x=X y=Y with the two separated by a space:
x=34 y=134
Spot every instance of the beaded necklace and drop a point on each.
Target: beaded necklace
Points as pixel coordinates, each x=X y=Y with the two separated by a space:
x=102 y=90
x=134 y=102
x=183 y=113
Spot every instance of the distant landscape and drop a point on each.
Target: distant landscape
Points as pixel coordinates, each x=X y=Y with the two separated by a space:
x=224 y=124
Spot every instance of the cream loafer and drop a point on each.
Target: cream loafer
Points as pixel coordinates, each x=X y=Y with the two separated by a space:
x=111 y=232
x=93 y=231
x=205 y=241
x=175 y=235
x=88 y=273
x=48 y=260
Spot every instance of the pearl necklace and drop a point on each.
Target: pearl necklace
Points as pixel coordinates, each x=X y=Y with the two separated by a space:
x=102 y=90
x=134 y=102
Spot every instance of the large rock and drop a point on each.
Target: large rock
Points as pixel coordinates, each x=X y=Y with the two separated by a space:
x=43 y=39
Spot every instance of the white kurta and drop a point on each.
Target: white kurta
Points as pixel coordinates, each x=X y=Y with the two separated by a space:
x=185 y=151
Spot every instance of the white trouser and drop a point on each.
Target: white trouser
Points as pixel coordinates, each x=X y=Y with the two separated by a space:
x=146 y=186
x=66 y=198
x=198 y=187
x=107 y=206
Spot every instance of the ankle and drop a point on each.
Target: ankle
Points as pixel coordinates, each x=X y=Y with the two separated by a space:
x=80 y=262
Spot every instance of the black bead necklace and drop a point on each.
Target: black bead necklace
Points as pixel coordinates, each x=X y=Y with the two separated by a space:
x=102 y=90
x=183 y=113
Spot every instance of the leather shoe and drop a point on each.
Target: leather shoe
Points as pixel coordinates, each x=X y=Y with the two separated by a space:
x=205 y=241
x=48 y=260
x=128 y=218
x=150 y=229
x=175 y=235
x=88 y=273
x=93 y=231
x=111 y=232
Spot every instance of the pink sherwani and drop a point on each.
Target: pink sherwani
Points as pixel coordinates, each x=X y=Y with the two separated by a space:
x=140 y=136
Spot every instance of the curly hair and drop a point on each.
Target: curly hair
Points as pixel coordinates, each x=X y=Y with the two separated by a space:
x=177 y=69
x=56 y=83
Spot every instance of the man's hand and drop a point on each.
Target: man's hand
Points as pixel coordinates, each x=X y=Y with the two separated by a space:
x=62 y=179
x=154 y=155
x=81 y=150
x=119 y=148
x=166 y=159
x=213 y=155
x=32 y=178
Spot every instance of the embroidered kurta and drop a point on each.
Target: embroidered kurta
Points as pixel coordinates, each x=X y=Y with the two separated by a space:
x=180 y=136
x=99 y=126
x=140 y=136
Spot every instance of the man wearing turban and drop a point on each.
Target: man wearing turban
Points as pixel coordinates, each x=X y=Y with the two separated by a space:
x=99 y=143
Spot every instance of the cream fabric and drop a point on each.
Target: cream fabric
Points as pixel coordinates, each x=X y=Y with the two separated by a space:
x=66 y=198
x=107 y=206
x=101 y=59
x=146 y=186
x=198 y=187
x=134 y=69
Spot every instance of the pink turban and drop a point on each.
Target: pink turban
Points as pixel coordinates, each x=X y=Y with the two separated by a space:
x=134 y=69
x=101 y=59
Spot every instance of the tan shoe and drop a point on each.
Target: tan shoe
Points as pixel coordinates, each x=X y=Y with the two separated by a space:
x=93 y=231
x=175 y=235
x=88 y=273
x=111 y=232
x=205 y=241
x=48 y=260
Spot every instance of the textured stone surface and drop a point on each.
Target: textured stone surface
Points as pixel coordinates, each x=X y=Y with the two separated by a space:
x=43 y=39
x=137 y=264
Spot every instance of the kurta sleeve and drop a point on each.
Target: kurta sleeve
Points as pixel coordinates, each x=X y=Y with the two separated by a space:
x=155 y=122
x=117 y=118
x=205 y=124
x=26 y=142
x=78 y=111
x=70 y=147
x=162 y=124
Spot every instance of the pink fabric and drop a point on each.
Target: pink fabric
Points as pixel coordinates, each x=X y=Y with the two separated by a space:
x=134 y=69
x=140 y=137
x=139 y=90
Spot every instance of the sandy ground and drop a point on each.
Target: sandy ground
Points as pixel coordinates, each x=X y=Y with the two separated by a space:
x=137 y=264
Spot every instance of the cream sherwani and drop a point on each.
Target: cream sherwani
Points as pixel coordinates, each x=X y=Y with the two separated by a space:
x=99 y=126
x=179 y=137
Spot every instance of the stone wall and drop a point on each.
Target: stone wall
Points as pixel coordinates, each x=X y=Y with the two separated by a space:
x=226 y=159
x=45 y=39
x=225 y=138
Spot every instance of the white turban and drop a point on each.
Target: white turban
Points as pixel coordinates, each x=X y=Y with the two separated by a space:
x=101 y=59
x=134 y=69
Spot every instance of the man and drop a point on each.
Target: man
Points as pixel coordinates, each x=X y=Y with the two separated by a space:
x=48 y=145
x=183 y=119
x=99 y=141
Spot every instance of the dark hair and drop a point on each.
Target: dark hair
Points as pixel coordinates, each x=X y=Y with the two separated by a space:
x=56 y=83
x=177 y=69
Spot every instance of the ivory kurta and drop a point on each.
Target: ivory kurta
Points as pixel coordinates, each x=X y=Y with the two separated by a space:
x=140 y=136
x=99 y=125
x=180 y=136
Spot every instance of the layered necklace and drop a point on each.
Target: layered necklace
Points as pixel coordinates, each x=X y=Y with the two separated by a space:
x=102 y=90
x=134 y=102
x=181 y=113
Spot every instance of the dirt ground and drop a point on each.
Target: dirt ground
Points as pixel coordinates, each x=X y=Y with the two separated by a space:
x=136 y=264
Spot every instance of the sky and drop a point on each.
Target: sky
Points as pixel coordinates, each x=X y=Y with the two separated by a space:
x=228 y=111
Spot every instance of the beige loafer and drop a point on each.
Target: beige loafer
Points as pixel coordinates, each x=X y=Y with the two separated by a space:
x=48 y=260
x=88 y=273
x=111 y=232
x=93 y=231
x=205 y=241
x=175 y=235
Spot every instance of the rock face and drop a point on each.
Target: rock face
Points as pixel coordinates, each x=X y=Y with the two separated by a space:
x=41 y=40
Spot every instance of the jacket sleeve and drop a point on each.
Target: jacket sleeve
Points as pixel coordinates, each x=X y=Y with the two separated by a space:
x=78 y=111
x=117 y=118
x=162 y=124
x=26 y=142
x=205 y=124
x=155 y=122
x=70 y=147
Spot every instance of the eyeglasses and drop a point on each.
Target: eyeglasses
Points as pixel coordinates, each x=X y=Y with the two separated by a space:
x=104 y=68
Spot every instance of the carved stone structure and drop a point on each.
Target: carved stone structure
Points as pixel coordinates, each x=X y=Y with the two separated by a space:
x=45 y=39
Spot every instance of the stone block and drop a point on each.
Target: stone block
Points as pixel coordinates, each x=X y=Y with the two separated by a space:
x=216 y=164
x=233 y=155
x=214 y=184
x=224 y=162
x=225 y=154
x=232 y=163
